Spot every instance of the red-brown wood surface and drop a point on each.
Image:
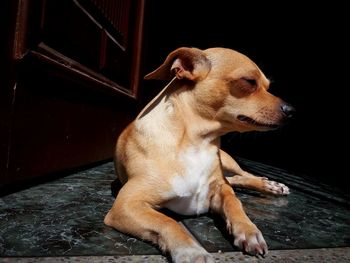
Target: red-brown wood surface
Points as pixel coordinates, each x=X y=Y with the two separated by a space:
x=71 y=83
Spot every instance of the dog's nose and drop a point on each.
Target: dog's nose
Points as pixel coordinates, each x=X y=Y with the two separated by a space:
x=288 y=110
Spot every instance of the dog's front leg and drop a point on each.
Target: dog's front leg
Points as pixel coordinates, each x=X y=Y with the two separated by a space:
x=133 y=213
x=246 y=235
x=244 y=179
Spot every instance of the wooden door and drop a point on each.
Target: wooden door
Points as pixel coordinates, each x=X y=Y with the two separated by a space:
x=72 y=82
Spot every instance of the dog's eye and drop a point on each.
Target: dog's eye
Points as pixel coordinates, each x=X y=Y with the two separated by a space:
x=251 y=81
x=248 y=85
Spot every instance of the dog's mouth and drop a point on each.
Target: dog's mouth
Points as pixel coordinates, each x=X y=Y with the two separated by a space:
x=253 y=122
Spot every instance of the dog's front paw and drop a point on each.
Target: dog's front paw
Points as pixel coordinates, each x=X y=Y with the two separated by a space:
x=273 y=187
x=191 y=254
x=249 y=238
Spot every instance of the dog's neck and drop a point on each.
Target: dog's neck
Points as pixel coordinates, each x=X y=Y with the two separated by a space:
x=174 y=109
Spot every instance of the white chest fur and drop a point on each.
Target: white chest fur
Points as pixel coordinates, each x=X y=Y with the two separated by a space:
x=191 y=187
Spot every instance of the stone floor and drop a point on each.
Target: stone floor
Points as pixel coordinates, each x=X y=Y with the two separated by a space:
x=62 y=221
x=321 y=255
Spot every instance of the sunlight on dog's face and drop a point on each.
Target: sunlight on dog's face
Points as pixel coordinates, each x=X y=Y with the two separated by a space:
x=242 y=100
x=249 y=105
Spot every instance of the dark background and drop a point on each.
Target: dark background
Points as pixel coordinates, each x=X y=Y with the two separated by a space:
x=67 y=89
x=301 y=48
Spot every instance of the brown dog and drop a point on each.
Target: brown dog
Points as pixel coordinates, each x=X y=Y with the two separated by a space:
x=170 y=156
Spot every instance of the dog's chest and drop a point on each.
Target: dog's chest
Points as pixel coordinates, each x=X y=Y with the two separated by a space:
x=191 y=187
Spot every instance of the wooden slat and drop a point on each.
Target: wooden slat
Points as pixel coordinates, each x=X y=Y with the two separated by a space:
x=117 y=12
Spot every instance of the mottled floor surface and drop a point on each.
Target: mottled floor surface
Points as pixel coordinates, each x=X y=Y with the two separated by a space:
x=61 y=221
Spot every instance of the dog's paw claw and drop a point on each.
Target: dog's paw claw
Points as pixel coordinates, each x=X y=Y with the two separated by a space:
x=275 y=187
x=250 y=241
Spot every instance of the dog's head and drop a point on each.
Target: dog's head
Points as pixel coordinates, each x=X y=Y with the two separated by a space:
x=228 y=87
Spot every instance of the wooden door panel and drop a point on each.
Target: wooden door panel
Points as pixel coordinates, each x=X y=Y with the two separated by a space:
x=74 y=86
x=66 y=29
x=95 y=34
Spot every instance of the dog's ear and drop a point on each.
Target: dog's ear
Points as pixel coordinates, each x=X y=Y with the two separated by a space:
x=184 y=63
